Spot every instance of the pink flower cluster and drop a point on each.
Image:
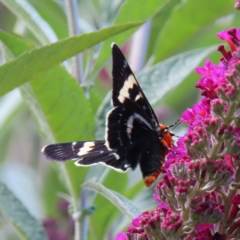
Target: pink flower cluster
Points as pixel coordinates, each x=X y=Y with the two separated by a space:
x=198 y=191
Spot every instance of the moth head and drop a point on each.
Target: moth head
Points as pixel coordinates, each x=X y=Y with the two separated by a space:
x=165 y=130
x=166 y=136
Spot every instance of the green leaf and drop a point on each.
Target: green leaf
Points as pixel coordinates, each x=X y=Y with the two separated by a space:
x=95 y=99
x=144 y=199
x=60 y=109
x=158 y=22
x=52 y=12
x=33 y=63
x=163 y=77
x=130 y=11
x=181 y=26
x=106 y=212
x=59 y=101
x=97 y=174
x=52 y=98
x=122 y=203
x=158 y=80
x=34 y=22
x=14 y=210
x=101 y=116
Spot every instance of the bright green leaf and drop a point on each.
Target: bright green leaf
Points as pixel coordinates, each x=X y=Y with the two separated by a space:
x=130 y=11
x=60 y=109
x=33 y=63
x=51 y=11
x=187 y=19
x=158 y=22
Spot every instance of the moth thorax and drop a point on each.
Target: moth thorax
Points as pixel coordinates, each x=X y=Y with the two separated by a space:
x=166 y=136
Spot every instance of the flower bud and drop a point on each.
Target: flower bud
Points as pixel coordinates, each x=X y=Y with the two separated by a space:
x=217 y=107
x=205 y=209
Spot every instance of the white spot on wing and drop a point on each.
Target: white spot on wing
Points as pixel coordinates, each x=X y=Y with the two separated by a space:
x=130 y=126
x=115 y=155
x=128 y=84
x=138 y=97
x=126 y=165
x=86 y=148
x=73 y=145
x=139 y=117
x=77 y=163
x=130 y=121
x=121 y=98
x=106 y=130
x=113 y=43
x=43 y=149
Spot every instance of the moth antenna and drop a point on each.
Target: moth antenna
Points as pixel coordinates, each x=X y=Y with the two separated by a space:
x=173 y=126
x=176 y=136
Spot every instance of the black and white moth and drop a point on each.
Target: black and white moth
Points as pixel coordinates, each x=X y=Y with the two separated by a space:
x=132 y=136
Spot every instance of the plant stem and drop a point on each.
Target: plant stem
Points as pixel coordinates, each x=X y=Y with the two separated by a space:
x=73 y=26
x=84 y=219
x=77 y=225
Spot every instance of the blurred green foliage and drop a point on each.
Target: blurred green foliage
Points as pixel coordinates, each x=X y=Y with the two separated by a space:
x=54 y=107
